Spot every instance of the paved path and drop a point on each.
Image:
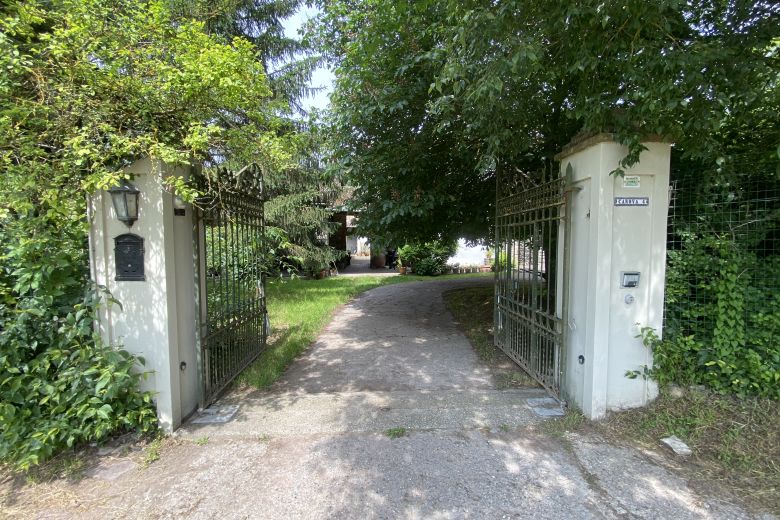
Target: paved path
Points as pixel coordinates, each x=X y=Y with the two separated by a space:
x=315 y=445
x=391 y=358
x=361 y=266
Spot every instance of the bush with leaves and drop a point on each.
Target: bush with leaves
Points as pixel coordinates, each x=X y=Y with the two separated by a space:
x=503 y=261
x=430 y=267
x=722 y=315
x=427 y=258
x=722 y=329
x=62 y=386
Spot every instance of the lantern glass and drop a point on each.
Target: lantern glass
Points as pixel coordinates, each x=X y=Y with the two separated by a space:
x=131 y=200
x=125 y=200
x=120 y=205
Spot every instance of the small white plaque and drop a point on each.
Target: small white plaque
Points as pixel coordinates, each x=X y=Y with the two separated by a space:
x=632 y=201
x=631 y=181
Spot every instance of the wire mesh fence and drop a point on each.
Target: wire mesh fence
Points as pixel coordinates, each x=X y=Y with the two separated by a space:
x=722 y=306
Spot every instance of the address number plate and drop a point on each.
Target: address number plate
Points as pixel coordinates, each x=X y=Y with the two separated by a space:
x=632 y=201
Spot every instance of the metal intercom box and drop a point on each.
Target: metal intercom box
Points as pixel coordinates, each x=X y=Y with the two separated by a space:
x=629 y=279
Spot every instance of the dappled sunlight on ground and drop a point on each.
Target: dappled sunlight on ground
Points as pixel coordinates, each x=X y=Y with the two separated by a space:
x=318 y=444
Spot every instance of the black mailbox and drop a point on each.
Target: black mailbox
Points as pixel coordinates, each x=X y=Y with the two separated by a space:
x=129 y=257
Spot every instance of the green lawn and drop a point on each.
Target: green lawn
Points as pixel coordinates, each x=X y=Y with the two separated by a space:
x=299 y=309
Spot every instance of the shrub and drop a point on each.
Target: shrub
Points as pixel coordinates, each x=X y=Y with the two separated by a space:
x=722 y=308
x=61 y=386
x=501 y=262
x=721 y=330
x=427 y=258
x=430 y=267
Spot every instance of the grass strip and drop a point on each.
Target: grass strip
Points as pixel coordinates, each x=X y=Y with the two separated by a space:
x=735 y=441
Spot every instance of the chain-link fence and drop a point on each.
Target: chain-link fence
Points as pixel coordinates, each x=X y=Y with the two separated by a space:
x=722 y=311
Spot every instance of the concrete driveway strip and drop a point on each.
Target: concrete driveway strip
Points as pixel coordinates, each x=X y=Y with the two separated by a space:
x=315 y=445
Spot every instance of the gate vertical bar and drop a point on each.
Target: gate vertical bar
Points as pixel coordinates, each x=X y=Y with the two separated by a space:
x=199 y=239
x=231 y=293
x=564 y=277
x=528 y=326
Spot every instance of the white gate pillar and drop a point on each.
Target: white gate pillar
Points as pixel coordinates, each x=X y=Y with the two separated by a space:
x=617 y=257
x=157 y=317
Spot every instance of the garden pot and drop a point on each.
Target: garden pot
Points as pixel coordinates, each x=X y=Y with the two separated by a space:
x=402 y=270
x=378 y=261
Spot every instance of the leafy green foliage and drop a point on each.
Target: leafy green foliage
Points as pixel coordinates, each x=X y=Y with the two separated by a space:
x=298 y=209
x=412 y=182
x=434 y=99
x=60 y=386
x=733 y=347
x=722 y=298
x=427 y=258
x=503 y=261
x=88 y=86
x=430 y=267
x=298 y=192
x=289 y=61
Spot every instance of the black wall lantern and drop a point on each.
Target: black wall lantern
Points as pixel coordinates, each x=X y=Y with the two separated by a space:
x=125 y=199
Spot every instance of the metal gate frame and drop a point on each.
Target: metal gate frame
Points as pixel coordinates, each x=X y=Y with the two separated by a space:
x=529 y=315
x=230 y=286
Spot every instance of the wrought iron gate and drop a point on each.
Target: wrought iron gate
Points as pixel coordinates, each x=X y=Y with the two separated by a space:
x=233 y=316
x=528 y=324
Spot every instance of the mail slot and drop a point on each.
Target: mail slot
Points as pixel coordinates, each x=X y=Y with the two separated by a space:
x=129 y=258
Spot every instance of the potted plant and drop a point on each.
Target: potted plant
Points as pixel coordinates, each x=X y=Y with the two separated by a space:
x=378 y=258
x=403 y=267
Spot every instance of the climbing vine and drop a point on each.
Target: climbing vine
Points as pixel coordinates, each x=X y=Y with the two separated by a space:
x=722 y=309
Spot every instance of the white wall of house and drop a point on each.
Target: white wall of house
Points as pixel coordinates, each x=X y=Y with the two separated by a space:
x=352 y=244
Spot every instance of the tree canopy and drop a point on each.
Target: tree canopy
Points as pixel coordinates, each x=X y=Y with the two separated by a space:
x=433 y=98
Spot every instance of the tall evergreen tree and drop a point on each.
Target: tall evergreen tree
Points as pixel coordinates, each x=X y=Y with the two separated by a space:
x=299 y=190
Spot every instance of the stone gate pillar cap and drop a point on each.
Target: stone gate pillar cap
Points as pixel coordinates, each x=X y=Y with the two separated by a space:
x=586 y=140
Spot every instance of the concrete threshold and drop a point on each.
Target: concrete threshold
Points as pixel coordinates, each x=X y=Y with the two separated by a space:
x=299 y=414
